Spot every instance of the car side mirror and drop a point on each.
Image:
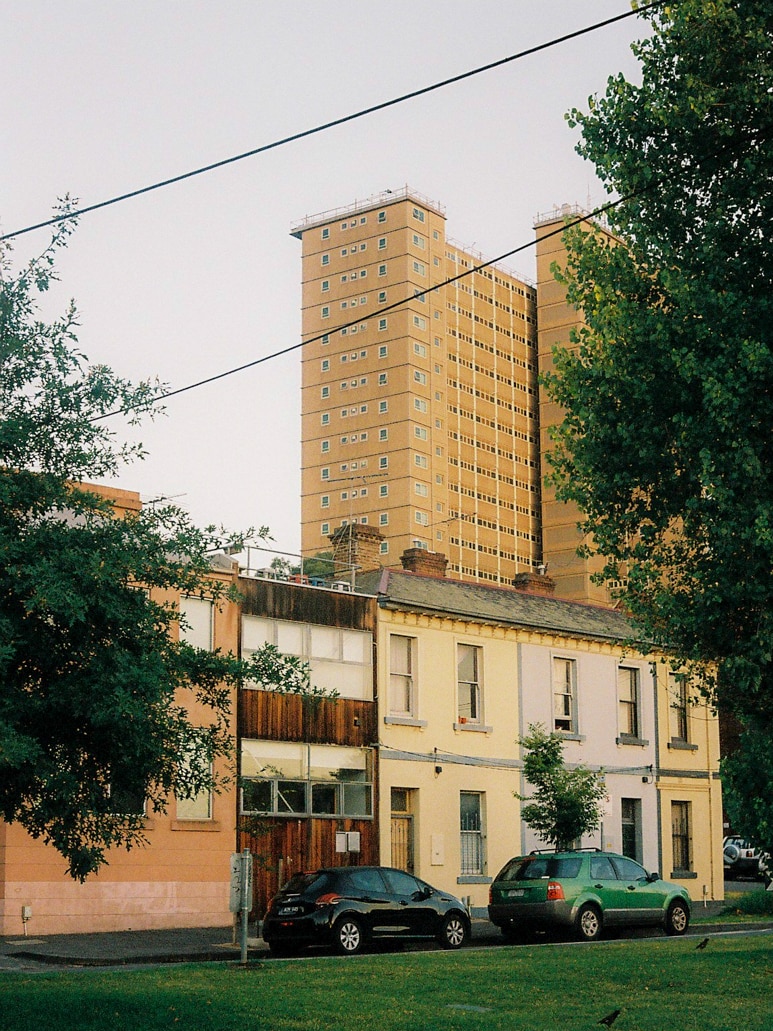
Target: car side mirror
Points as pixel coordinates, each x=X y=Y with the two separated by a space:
x=422 y=893
x=654 y=876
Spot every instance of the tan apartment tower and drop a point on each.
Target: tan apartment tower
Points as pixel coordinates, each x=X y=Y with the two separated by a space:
x=556 y=319
x=419 y=391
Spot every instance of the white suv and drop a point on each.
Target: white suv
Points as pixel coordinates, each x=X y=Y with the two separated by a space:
x=741 y=859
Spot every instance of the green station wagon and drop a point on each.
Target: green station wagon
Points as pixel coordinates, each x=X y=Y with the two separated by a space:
x=584 y=890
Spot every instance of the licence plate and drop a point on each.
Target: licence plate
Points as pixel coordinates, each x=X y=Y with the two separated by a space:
x=289 y=910
x=516 y=893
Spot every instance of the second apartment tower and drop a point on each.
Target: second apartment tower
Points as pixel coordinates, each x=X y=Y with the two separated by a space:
x=419 y=391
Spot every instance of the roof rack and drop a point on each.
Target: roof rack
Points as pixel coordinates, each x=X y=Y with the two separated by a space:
x=554 y=851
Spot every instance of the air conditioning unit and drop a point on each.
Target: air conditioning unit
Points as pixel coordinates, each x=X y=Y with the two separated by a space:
x=341 y=585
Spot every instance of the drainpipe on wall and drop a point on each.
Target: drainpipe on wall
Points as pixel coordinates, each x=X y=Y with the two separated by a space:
x=656 y=771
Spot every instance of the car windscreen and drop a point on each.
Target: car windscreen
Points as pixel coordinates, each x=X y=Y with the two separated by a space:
x=534 y=868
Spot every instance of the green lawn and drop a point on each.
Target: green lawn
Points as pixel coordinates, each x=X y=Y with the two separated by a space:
x=658 y=983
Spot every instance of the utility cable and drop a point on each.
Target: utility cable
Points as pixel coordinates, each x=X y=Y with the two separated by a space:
x=596 y=213
x=332 y=124
x=568 y=224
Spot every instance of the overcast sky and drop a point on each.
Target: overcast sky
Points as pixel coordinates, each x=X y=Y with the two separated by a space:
x=101 y=97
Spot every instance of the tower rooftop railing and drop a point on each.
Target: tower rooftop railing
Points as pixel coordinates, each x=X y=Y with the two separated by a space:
x=378 y=200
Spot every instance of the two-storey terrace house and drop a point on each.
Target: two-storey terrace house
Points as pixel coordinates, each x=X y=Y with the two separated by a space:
x=465 y=668
x=308 y=770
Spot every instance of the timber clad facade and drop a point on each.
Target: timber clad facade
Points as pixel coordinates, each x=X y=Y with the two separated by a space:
x=308 y=769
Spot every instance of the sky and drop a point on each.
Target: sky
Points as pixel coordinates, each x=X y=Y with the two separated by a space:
x=102 y=97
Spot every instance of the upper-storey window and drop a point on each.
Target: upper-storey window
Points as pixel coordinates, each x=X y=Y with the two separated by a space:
x=402 y=687
x=564 y=695
x=468 y=683
x=629 y=717
x=196 y=622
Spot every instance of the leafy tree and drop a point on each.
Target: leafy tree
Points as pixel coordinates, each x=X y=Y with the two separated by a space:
x=281 y=566
x=95 y=690
x=747 y=787
x=566 y=803
x=666 y=444
x=321 y=564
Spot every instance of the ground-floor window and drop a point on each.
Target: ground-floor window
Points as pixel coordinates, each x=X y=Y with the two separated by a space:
x=471 y=832
x=681 y=836
x=288 y=779
x=631 y=827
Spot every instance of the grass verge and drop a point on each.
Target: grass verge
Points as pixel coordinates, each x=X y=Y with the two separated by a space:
x=656 y=984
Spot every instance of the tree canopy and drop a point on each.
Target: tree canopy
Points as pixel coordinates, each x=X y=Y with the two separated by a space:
x=566 y=803
x=666 y=443
x=96 y=692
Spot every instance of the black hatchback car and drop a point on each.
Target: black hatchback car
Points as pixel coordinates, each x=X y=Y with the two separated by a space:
x=347 y=906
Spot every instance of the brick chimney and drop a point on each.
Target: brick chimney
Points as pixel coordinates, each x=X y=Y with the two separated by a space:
x=428 y=563
x=357 y=546
x=534 y=583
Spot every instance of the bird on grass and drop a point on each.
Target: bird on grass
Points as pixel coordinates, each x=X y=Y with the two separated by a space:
x=610 y=1018
x=701 y=945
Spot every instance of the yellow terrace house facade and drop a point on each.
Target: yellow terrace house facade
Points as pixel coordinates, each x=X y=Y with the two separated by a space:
x=463 y=669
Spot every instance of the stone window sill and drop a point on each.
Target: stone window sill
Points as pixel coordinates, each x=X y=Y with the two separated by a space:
x=627 y=739
x=196 y=825
x=404 y=721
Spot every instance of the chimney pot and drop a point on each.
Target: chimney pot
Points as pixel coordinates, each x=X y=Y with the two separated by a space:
x=419 y=560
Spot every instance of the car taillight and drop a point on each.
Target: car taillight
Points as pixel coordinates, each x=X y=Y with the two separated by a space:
x=555 y=891
x=327 y=900
x=490 y=895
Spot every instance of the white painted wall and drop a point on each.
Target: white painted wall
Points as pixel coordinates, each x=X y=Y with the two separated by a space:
x=597 y=739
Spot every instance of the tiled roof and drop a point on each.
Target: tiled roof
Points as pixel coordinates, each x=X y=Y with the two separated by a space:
x=490 y=604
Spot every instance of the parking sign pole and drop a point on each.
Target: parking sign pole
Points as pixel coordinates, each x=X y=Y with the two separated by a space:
x=241 y=893
x=246 y=897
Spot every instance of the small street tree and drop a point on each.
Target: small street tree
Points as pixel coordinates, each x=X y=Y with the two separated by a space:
x=95 y=688
x=566 y=803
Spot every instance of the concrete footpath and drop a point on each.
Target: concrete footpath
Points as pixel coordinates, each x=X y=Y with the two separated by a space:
x=208 y=944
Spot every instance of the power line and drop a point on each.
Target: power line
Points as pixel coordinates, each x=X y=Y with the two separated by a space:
x=596 y=213
x=332 y=124
x=570 y=224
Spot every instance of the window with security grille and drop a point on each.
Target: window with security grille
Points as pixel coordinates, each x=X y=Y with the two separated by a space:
x=471 y=833
x=681 y=838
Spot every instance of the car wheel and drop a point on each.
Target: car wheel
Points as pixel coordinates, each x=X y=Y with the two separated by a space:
x=348 y=936
x=730 y=855
x=588 y=924
x=677 y=918
x=453 y=931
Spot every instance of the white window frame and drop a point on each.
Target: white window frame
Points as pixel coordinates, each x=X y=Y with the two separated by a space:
x=469 y=689
x=564 y=695
x=402 y=676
